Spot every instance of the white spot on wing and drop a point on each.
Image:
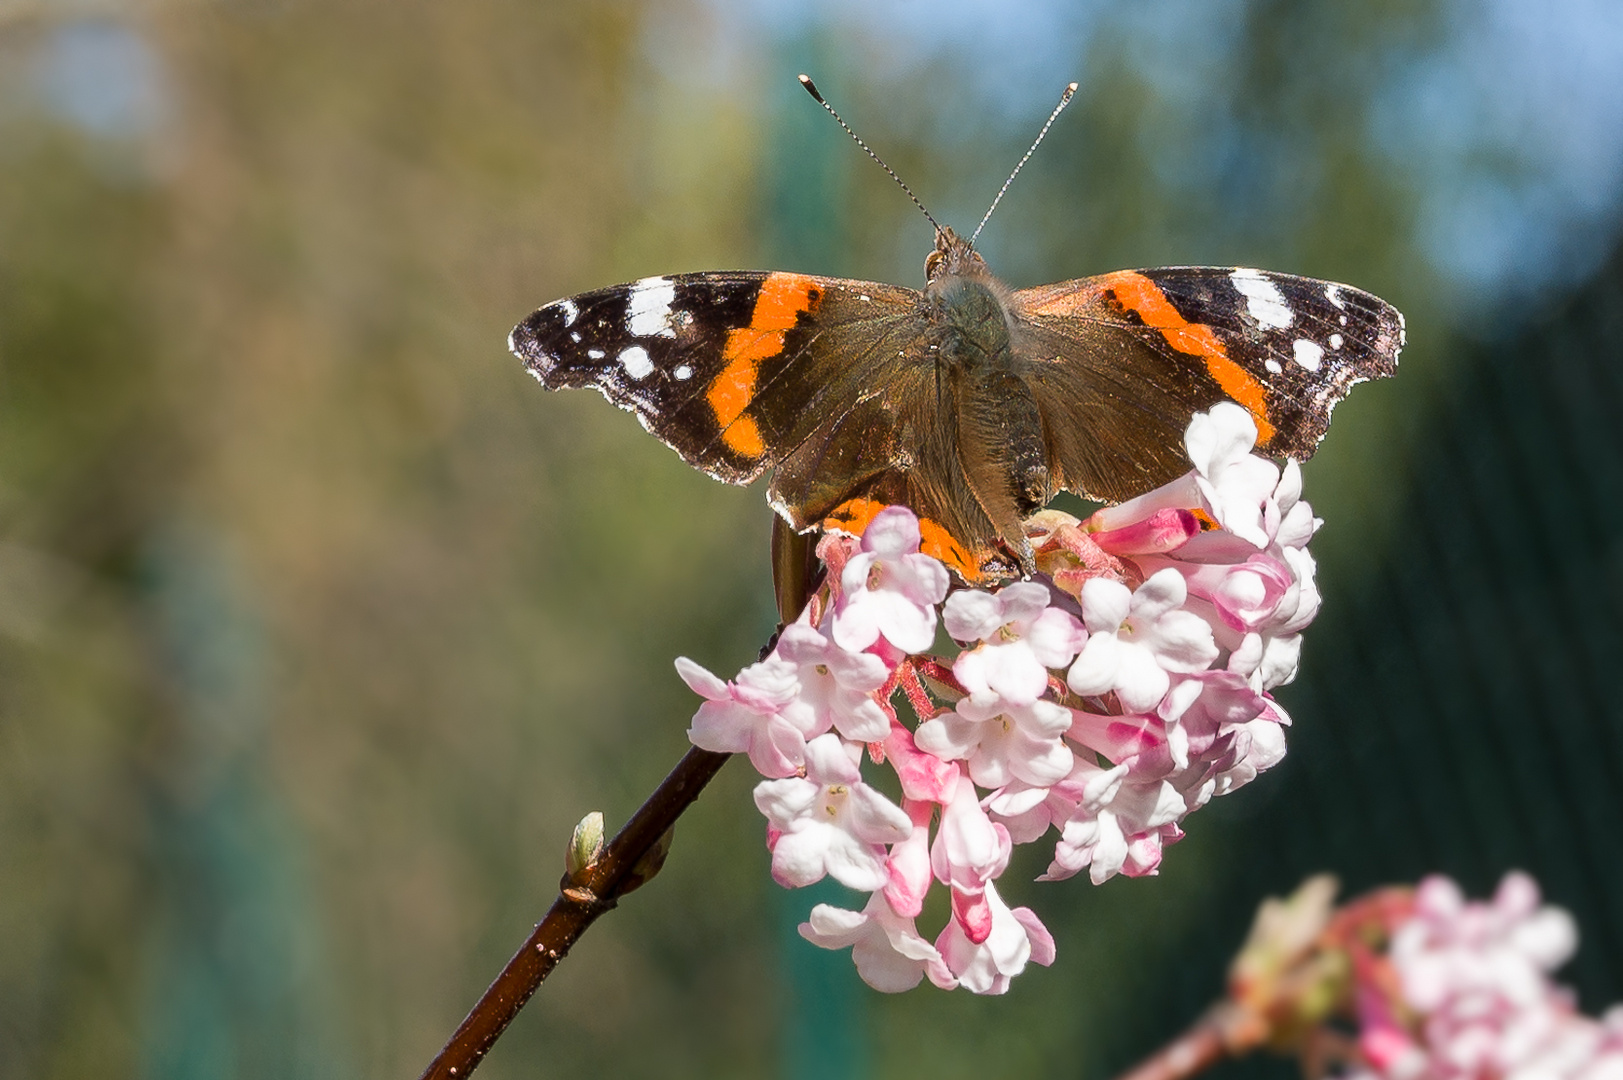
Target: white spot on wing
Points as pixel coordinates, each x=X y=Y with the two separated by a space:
x=683 y=372
x=570 y=311
x=595 y=354
x=636 y=363
x=1272 y=365
x=1308 y=353
x=1335 y=341
x=1263 y=300
x=1332 y=293
x=649 y=310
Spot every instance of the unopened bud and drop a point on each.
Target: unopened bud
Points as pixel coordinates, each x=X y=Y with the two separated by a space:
x=647 y=866
x=585 y=845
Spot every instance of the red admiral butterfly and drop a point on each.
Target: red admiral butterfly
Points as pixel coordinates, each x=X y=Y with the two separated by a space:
x=970 y=402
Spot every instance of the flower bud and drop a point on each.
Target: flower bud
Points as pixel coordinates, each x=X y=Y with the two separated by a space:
x=585 y=845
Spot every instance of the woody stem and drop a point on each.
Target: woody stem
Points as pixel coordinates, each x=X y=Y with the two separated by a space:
x=596 y=890
x=620 y=868
x=1208 y=1041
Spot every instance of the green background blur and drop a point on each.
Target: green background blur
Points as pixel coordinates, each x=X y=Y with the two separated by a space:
x=320 y=624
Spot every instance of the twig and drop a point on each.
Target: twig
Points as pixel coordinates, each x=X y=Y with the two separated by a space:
x=630 y=859
x=576 y=908
x=1208 y=1041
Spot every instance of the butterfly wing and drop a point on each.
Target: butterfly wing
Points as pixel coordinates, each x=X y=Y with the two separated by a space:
x=728 y=369
x=1118 y=364
x=831 y=382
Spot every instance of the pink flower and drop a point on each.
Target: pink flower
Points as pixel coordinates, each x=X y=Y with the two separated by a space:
x=1229 y=733
x=1236 y=484
x=1136 y=638
x=891 y=956
x=1020 y=637
x=969 y=851
x=751 y=715
x=909 y=863
x=1476 y=999
x=830 y=822
x=1452 y=949
x=836 y=686
x=1002 y=742
x=1192 y=599
x=889 y=589
x=1014 y=939
x=1120 y=826
x=923 y=776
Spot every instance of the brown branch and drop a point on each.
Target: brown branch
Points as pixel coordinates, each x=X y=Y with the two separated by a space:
x=1215 y=1036
x=578 y=905
x=631 y=858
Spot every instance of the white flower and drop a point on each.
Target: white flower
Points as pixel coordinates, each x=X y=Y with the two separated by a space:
x=889 y=589
x=1002 y=742
x=1135 y=639
x=1017 y=937
x=830 y=822
x=1238 y=486
x=1119 y=826
x=890 y=954
x=1020 y=637
x=751 y=715
x=836 y=685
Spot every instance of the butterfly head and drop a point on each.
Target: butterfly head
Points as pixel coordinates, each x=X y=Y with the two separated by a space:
x=953 y=256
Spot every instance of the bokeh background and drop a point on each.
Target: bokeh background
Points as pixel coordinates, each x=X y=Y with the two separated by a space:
x=320 y=624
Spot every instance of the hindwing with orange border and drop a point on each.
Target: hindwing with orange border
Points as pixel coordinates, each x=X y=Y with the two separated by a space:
x=968 y=402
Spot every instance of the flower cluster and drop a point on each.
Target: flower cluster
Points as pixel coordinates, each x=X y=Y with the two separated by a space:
x=1463 y=993
x=1120 y=689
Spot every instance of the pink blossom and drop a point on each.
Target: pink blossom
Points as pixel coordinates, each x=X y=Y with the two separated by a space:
x=1136 y=638
x=969 y=851
x=1474 y=978
x=1191 y=598
x=1157 y=533
x=891 y=956
x=1020 y=637
x=1000 y=741
x=1120 y=826
x=1504 y=948
x=1236 y=484
x=1027 y=810
x=924 y=776
x=909 y=863
x=889 y=589
x=1014 y=939
x=751 y=715
x=830 y=822
x=836 y=686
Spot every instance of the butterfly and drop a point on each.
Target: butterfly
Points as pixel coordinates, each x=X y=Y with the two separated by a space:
x=971 y=403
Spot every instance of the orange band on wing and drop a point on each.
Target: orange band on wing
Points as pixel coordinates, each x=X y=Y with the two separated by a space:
x=854 y=515
x=1142 y=297
x=777 y=307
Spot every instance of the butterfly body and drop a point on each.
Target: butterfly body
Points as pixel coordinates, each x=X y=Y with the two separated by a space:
x=969 y=402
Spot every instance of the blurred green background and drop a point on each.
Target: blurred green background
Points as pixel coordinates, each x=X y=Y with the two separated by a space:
x=320 y=624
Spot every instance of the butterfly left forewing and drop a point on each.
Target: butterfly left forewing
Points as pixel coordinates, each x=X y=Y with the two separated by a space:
x=723 y=367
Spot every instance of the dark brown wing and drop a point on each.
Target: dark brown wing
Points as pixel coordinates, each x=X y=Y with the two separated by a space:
x=833 y=382
x=725 y=368
x=1119 y=363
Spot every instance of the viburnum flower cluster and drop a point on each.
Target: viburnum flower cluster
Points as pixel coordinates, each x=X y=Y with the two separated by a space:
x=1464 y=992
x=1120 y=689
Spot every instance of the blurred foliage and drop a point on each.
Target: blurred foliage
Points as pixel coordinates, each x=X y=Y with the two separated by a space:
x=322 y=625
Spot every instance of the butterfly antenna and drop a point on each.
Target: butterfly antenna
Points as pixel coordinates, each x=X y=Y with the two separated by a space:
x=1064 y=100
x=811 y=88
